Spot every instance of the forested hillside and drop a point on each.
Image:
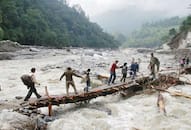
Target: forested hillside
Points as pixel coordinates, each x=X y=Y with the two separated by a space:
x=182 y=35
x=186 y=24
x=154 y=34
x=50 y=23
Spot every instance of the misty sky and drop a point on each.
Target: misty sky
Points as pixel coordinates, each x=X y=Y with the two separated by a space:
x=95 y=8
x=114 y=15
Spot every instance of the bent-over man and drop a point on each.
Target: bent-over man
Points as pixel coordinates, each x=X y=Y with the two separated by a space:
x=69 y=73
x=31 y=86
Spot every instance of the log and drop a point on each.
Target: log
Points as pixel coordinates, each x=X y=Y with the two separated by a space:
x=186 y=70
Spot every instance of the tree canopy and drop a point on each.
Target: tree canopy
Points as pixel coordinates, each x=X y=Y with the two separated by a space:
x=50 y=23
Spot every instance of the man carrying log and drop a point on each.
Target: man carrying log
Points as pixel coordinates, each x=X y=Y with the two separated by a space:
x=69 y=73
x=154 y=61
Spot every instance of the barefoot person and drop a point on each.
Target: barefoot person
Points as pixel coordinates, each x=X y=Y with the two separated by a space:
x=31 y=84
x=69 y=73
x=154 y=62
x=161 y=103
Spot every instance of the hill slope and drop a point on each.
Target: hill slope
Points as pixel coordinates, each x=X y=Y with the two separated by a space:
x=154 y=34
x=50 y=23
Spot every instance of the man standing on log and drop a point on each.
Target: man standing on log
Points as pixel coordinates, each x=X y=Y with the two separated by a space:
x=86 y=89
x=69 y=73
x=112 y=72
x=154 y=61
x=31 y=85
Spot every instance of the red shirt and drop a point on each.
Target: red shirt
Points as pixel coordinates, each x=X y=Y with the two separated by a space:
x=113 y=67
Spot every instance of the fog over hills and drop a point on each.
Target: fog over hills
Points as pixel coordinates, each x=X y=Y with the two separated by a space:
x=126 y=15
x=127 y=20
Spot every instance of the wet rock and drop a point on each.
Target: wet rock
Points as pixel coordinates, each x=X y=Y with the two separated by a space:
x=9 y=46
x=15 y=121
x=6 y=56
x=34 y=49
x=19 y=97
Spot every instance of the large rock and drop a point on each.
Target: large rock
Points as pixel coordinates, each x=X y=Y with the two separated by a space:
x=15 y=121
x=9 y=46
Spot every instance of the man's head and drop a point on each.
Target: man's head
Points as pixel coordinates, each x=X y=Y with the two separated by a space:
x=125 y=64
x=69 y=68
x=88 y=70
x=116 y=61
x=33 y=70
x=152 y=54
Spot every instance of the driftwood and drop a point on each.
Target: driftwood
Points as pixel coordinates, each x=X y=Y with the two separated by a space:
x=186 y=70
x=174 y=93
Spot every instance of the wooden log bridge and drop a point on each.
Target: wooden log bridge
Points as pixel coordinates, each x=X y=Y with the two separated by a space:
x=129 y=88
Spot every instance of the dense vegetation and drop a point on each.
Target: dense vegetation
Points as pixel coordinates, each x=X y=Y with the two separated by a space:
x=154 y=34
x=50 y=23
x=186 y=24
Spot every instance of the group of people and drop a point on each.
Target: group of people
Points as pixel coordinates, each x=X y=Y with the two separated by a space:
x=30 y=81
x=133 y=69
x=69 y=73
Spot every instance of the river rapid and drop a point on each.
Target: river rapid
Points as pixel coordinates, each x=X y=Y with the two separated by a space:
x=103 y=113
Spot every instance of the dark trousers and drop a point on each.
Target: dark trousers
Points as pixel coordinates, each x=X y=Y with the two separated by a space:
x=86 y=89
x=132 y=74
x=32 y=89
x=112 y=76
x=123 y=77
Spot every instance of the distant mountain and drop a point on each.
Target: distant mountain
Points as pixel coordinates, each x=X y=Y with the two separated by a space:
x=50 y=23
x=154 y=34
x=127 y=20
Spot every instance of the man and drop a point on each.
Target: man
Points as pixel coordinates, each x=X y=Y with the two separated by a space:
x=124 y=72
x=69 y=73
x=161 y=103
x=133 y=70
x=112 y=72
x=154 y=61
x=86 y=89
x=31 y=85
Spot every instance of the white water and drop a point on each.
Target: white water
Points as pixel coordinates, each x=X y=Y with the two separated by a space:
x=136 y=112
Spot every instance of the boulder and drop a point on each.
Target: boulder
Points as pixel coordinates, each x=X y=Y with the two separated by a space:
x=9 y=46
x=15 y=121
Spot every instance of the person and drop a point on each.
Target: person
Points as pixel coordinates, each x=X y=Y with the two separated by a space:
x=133 y=70
x=154 y=62
x=161 y=103
x=124 y=72
x=87 y=80
x=137 y=66
x=112 y=72
x=31 y=86
x=187 y=61
x=181 y=63
x=69 y=73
